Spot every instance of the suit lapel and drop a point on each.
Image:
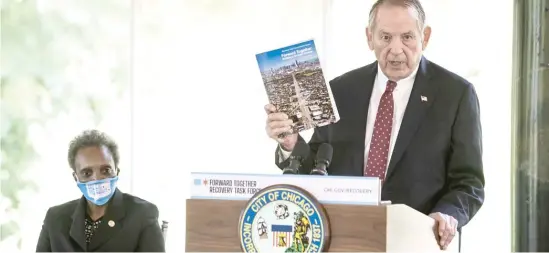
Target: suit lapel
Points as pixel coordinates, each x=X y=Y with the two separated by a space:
x=415 y=111
x=77 y=227
x=359 y=115
x=111 y=223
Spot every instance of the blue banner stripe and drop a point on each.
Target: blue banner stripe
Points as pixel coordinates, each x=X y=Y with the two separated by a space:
x=281 y=228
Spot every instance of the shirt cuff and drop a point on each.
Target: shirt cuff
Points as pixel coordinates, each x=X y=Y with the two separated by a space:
x=282 y=154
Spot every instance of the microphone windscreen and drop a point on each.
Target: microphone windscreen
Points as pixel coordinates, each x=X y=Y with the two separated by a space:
x=325 y=152
x=301 y=149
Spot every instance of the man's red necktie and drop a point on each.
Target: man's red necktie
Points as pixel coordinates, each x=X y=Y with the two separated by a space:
x=381 y=137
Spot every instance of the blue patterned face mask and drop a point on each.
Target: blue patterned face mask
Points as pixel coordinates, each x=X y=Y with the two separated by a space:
x=99 y=191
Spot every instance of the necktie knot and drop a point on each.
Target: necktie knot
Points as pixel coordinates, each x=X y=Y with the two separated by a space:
x=390 y=86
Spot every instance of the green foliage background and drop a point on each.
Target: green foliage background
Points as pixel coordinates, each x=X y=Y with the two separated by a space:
x=44 y=48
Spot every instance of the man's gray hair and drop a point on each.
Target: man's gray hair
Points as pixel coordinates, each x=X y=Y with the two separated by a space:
x=415 y=4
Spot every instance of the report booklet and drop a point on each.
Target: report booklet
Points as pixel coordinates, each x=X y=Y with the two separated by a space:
x=295 y=84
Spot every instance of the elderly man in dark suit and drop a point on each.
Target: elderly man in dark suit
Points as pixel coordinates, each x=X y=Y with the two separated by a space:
x=404 y=119
x=104 y=219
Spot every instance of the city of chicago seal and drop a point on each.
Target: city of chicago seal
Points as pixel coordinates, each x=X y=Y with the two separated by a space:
x=283 y=218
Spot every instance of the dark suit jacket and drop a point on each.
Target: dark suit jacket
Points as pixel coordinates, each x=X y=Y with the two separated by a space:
x=136 y=227
x=436 y=164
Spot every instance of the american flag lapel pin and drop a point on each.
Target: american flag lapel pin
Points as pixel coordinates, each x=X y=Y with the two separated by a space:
x=423 y=99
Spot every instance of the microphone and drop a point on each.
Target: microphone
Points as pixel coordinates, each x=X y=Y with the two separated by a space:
x=300 y=152
x=323 y=159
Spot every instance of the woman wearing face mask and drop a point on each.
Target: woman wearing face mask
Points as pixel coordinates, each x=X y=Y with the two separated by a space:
x=104 y=219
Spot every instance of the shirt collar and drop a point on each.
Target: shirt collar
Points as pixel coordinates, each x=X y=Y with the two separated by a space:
x=382 y=78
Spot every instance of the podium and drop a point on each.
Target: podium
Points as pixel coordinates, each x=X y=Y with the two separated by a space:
x=212 y=225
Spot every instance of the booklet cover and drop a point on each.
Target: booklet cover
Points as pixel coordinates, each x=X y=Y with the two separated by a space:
x=295 y=84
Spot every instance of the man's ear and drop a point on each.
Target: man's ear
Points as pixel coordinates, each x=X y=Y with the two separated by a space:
x=370 y=38
x=74 y=176
x=426 y=37
x=117 y=171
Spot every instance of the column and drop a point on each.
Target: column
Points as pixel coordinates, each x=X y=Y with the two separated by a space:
x=530 y=168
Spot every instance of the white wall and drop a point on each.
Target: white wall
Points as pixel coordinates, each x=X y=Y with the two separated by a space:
x=198 y=96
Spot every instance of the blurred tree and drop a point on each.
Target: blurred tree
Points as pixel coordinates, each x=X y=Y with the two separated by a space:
x=56 y=56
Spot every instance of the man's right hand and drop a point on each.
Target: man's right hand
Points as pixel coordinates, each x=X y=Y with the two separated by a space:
x=278 y=123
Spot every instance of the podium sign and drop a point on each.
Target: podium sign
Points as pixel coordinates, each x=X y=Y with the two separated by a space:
x=327 y=189
x=283 y=213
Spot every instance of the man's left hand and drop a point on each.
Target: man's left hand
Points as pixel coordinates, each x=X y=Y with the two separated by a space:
x=445 y=228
